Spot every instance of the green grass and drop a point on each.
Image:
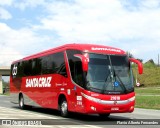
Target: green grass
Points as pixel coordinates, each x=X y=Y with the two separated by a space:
x=7 y=94
x=148 y=94
x=150 y=76
x=148 y=98
x=148 y=91
x=148 y=102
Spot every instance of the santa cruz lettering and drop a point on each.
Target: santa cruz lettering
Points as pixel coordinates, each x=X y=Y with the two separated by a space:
x=39 y=82
x=106 y=49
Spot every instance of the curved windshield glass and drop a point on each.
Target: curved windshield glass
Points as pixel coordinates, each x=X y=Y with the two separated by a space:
x=109 y=74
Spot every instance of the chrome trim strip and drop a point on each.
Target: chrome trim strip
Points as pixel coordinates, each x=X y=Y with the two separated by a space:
x=117 y=102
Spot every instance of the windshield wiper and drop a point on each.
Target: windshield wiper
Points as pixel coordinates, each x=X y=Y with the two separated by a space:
x=92 y=88
x=114 y=74
x=121 y=83
x=106 y=82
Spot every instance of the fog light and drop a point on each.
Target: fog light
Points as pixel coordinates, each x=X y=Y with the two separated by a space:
x=93 y=108
x=131 y=109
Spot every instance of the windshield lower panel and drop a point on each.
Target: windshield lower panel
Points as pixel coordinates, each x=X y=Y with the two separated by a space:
x=109 y=74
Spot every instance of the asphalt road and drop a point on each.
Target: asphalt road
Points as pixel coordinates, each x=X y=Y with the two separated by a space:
x=53 y=118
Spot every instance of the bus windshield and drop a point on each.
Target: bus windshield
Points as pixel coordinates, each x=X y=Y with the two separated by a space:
x=109 y=74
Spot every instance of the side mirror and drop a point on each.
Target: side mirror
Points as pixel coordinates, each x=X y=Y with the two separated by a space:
x=84 y=61
x=140 y=66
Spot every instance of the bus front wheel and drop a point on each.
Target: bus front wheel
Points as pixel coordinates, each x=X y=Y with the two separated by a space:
x=64 y=108
x=104 y=115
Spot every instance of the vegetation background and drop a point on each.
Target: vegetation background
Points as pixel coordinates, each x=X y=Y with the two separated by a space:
x=150 y=76
x=148 y=93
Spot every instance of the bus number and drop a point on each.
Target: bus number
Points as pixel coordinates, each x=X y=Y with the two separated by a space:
x=115 y=97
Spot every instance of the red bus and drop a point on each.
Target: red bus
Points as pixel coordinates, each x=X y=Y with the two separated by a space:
x=82 y=78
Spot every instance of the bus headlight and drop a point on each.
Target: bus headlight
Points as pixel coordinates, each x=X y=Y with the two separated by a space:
x=132 y=99
x=91 y=98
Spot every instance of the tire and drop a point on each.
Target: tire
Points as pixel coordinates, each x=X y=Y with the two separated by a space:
x=21 y=102
x=64 y=108
x=103 y=116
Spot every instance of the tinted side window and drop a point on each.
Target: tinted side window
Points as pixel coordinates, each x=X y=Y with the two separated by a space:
x=36 y=66
x=47 y=68
x=49 y=64
x=20 y=69
x=27 y=67
x=53 y=63
x=75 y=65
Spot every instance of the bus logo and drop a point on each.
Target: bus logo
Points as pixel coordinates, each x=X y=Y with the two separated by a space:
x=14 y=71
x=115 y=102
x=39 y=82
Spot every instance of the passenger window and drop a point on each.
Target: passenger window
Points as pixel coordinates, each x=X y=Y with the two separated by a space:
x=75 y=65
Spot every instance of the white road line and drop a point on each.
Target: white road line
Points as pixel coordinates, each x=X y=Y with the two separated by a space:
x=27 y=126
x=78 y=126
x=6 y=101
x=22 y=114
x=31 y=113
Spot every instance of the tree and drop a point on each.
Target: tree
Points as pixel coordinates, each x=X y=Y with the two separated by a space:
x=129 y=54
x=5 y=84
x=141 y=60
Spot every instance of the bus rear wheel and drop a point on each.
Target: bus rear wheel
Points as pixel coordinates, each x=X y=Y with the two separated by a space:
x=64 y=108
x=21 y=102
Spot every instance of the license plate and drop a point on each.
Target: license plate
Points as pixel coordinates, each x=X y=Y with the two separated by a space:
x=114 y=109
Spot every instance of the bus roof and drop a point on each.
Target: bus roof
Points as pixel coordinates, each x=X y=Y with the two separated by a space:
x=93 y=48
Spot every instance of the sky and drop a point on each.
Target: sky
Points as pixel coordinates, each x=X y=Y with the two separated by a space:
x=31 y=26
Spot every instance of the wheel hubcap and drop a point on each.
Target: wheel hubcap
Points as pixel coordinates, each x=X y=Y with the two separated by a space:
x=64 y=107
x=21 y=102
